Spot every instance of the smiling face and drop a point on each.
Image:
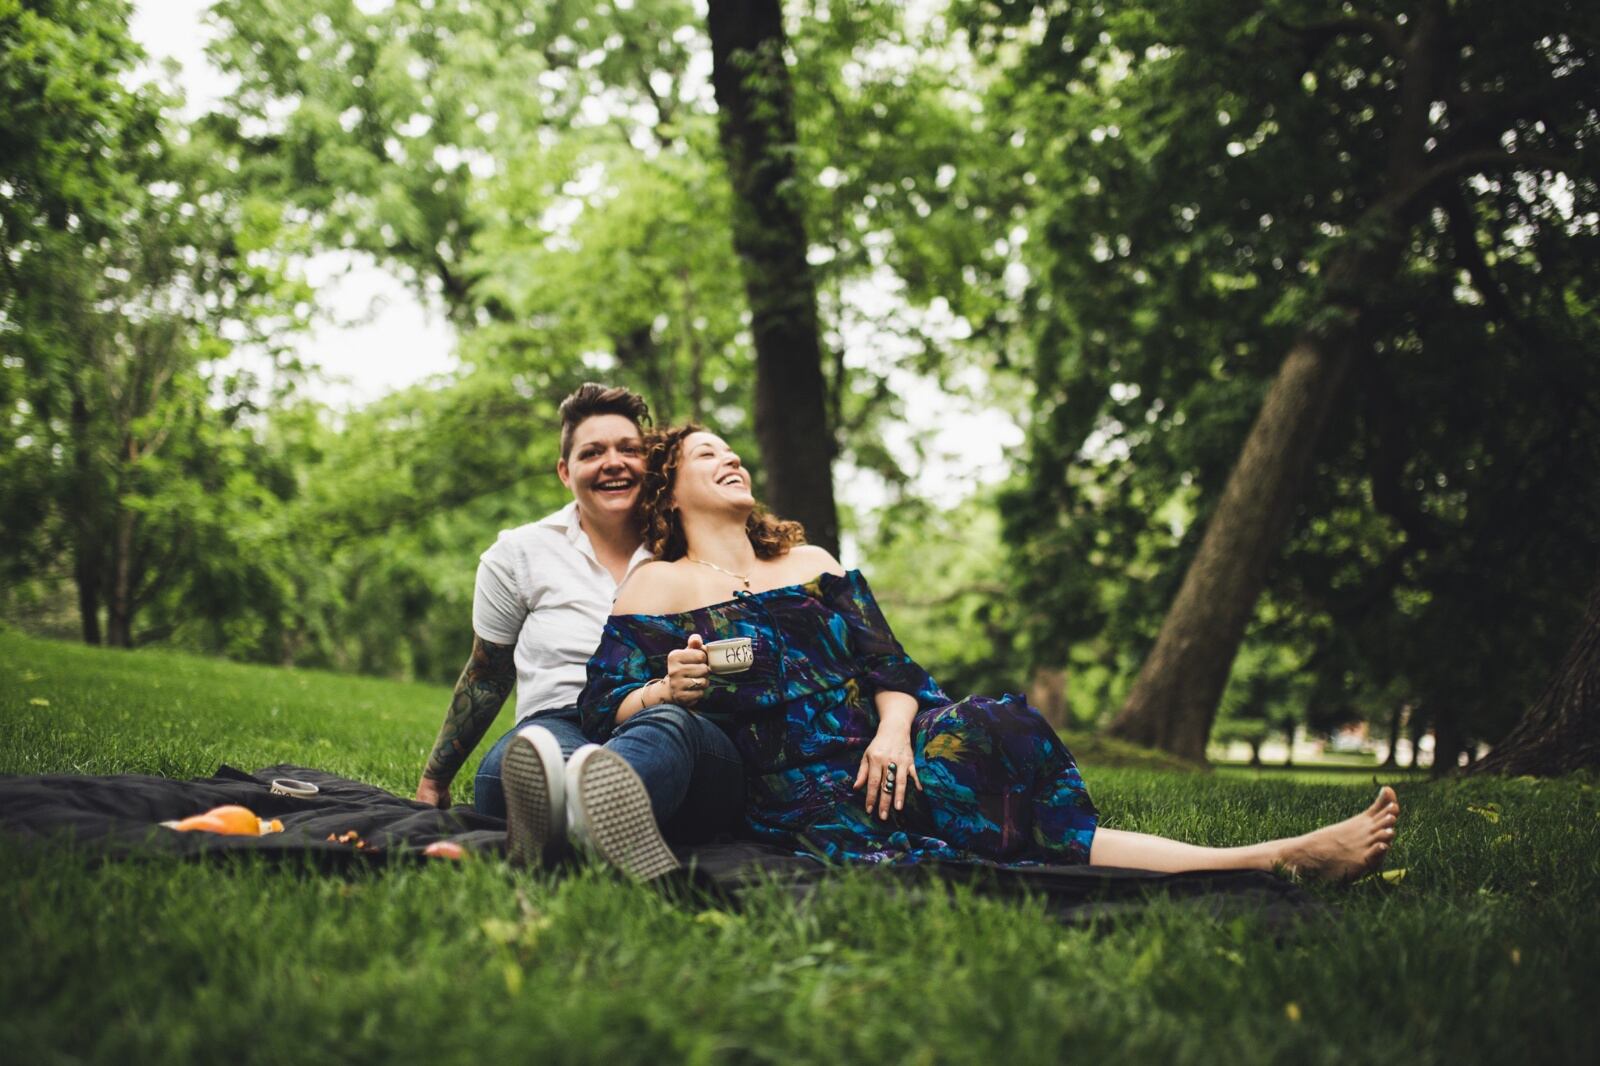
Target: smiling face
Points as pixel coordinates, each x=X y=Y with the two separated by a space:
x=605 y=467
x=710 y=477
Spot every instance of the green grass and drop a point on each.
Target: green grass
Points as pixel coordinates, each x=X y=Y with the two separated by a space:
x=1485 y=951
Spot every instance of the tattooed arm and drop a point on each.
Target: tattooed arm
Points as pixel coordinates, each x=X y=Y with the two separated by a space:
x=485 y=682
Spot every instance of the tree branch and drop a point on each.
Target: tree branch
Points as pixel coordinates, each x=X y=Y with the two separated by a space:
x=1463 y=234
x=1478 y=162
x=1321 y=34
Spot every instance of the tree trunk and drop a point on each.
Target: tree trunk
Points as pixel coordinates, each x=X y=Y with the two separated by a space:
x=1448 y=741
x=638 y=353
x=86 y=556
x=1255 y=751
x=755 y=121
x=1396 y=719
x=1047 y=692
x=119 y=613
x=85 y=573
x=1174 y=699
x=1560 y=733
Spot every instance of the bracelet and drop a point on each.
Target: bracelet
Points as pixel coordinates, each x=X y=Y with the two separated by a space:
x=646 y=685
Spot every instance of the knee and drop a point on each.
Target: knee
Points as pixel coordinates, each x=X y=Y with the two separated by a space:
x=661 y=716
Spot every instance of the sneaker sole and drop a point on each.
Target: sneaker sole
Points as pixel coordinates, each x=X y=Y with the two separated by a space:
x=616 y=820
x=529 y=821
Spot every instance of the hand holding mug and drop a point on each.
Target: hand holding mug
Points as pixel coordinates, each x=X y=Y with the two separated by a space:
x=688 y=673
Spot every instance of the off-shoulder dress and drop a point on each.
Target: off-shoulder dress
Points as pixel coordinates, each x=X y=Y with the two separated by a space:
x=1000 y=786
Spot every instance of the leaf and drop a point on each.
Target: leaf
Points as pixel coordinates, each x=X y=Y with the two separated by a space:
x=1291 y=1010
x=1488 y=811
x=1145 y=964
x=513 y=977
x=500 y=930
x=1502 y=840
x=39 y=702
x=1394 y=877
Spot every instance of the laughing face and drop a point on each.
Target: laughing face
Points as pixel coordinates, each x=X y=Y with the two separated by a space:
x=605 y=466
x=710 y=477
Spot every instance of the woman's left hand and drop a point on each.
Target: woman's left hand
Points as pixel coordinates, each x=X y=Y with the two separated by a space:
x=886 y=766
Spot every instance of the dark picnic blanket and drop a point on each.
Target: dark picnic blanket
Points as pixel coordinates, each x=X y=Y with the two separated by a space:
x=117 y=819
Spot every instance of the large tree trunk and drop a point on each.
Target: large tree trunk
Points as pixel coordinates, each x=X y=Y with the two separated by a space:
x=1174 y=699
x=1560 y=733
x=755 y=106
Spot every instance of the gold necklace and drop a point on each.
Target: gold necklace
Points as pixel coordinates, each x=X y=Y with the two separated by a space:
x=738 y=577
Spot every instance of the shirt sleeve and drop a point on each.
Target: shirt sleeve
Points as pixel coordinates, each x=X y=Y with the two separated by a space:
x=887 y=667
x=617 y=667
x=499 y=608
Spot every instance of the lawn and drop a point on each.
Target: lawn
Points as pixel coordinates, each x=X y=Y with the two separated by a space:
x=1485 y=950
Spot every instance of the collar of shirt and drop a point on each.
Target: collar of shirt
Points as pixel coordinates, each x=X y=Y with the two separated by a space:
x=567 y=521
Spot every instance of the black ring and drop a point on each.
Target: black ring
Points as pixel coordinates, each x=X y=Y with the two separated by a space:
x=888 y=786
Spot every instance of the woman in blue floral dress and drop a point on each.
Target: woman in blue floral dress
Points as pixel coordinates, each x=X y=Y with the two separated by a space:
x=852 y=752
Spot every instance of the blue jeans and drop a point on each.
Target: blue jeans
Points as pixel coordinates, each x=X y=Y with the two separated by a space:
x=689 y=767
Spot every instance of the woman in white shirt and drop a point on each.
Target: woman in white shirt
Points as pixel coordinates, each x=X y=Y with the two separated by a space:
x=542 y=596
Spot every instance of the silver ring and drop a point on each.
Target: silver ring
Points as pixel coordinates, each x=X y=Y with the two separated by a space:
x=888 y=786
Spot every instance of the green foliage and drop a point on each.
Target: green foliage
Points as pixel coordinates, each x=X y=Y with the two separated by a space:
x=1481 y=953
x=131 y=274
x=1196 y=169
x=1132 y=206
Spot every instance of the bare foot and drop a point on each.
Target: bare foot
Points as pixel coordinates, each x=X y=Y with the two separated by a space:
x=1349 y=849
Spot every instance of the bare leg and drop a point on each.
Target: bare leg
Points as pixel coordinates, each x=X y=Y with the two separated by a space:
x=1341 y=851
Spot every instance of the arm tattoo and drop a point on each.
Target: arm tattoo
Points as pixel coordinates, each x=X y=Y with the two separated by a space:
x=487 y=680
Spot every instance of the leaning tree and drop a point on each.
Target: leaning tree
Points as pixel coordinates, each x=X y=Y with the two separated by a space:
x=1246 y=207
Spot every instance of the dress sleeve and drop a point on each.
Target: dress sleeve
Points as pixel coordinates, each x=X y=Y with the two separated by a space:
x=617 y=667
x=887 y=666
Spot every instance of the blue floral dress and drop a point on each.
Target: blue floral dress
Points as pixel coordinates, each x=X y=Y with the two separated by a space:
x=999 y=785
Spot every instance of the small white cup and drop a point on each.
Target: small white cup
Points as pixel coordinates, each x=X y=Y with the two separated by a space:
x=732 y=656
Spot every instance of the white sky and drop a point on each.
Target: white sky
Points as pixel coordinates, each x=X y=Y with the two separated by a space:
x=389 y=339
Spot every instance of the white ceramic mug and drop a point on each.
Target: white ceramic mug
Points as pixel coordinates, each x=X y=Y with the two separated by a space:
x=732 y=656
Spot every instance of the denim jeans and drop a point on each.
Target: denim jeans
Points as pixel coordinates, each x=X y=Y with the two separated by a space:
x=689 y=767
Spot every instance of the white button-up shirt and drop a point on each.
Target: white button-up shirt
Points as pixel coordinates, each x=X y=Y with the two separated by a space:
x=541 y=588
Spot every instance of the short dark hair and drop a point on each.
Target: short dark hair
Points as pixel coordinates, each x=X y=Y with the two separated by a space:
x=590 y=399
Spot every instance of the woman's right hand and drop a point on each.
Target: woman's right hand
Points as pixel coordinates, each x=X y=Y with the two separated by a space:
x=688 y=673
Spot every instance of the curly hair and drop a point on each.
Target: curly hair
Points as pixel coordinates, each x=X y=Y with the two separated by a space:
x=769 y=535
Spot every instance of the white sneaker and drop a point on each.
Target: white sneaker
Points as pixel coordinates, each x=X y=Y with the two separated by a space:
x=536 y=797
x=609 y=814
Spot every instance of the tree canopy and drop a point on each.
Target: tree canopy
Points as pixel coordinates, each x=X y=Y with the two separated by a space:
x=1295 y=302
